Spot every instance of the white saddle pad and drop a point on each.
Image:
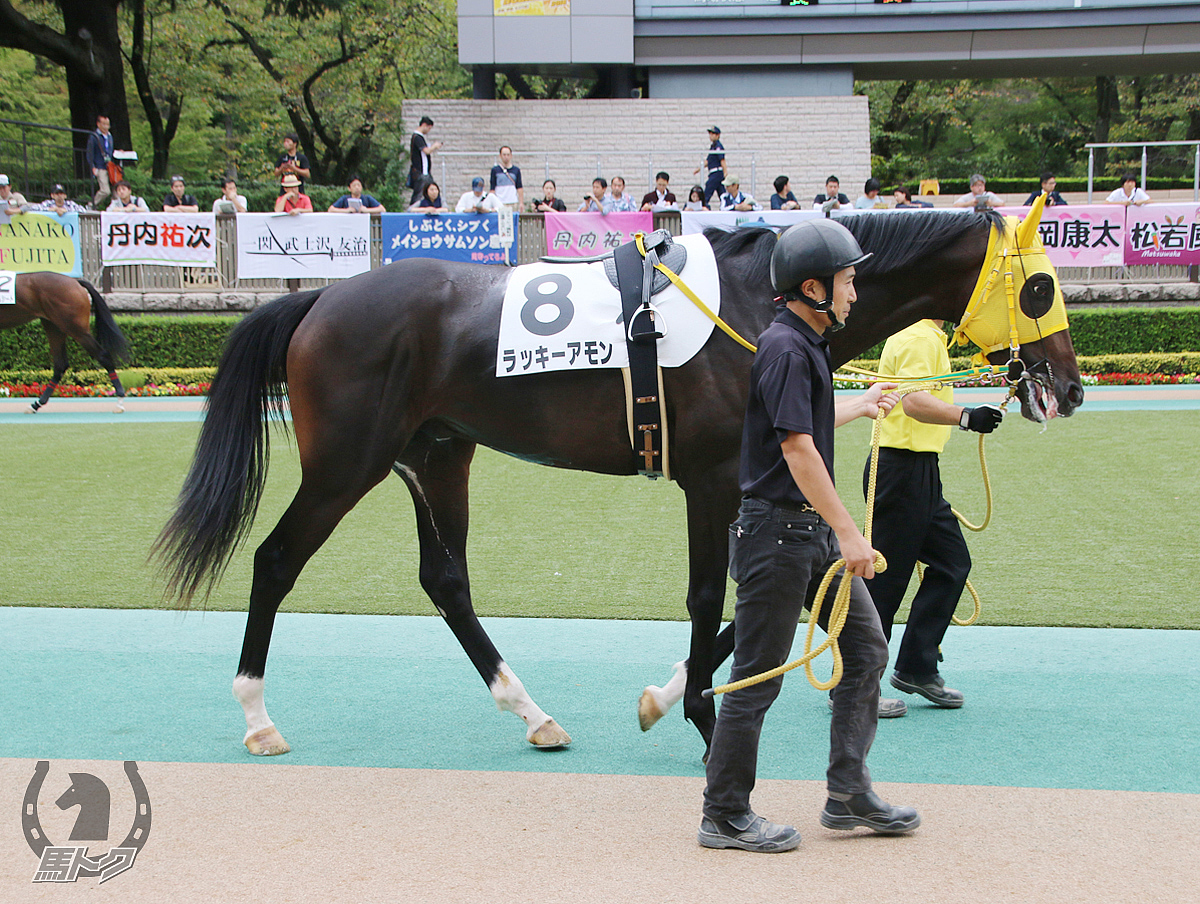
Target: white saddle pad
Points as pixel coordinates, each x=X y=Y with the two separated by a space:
x=568 y=316
x=8 y=287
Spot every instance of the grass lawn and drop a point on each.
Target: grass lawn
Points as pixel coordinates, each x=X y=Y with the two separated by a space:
x=1094 y=526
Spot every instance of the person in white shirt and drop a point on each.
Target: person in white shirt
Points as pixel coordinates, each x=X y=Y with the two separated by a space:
x=229 y=201
x=476 y=200
x=734 y=198
x=1129 y=194
x=126 y=201
x=979 y=196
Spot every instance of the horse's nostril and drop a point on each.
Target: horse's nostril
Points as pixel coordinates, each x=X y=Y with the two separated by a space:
x=1075 y=395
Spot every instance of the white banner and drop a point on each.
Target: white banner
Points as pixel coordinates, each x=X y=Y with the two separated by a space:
x=568 y=316
x=167 y=239
x=306 y=246
x=8 y=287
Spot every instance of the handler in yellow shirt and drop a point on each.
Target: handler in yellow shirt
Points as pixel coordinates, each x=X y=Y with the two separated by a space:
x=913 y=521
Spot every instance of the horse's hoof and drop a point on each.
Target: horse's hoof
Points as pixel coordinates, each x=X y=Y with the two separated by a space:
x=267 y=742
x=649 y=708
x=549 y=736
x=119 y=409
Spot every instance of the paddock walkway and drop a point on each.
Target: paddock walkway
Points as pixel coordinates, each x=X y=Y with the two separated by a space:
x=1070 y=775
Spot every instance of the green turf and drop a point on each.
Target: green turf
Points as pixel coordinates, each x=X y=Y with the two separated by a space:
x=1094 y=526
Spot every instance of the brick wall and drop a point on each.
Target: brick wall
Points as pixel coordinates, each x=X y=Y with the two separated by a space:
x=806 y=138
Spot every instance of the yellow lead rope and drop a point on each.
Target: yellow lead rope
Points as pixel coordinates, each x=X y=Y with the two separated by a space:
x=841 y=602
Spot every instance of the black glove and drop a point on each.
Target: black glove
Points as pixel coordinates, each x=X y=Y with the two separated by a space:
x=983 y=419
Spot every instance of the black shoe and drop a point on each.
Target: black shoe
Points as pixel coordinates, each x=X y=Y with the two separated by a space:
x=749 y=832
x=868 y=810
x=931 y=687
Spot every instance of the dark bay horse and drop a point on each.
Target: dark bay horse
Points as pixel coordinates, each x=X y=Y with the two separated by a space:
x=394 y=370
x=64 y=305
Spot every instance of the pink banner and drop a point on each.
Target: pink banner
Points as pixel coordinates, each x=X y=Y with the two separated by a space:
x=1163 y=234
x=589 y=234
x=1081 y=235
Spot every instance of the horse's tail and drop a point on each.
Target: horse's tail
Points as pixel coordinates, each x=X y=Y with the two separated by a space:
x=220 y=495
x=108 y=334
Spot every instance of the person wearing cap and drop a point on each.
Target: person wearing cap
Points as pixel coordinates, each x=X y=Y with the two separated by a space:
x=59 y=203
x=734 y=198
x=979 y=197
x=790 y=529
x=356 y=201
x=11 y=202
x=293 y=201
x=477 y=200
x=912 y=520
x=176 y=201
x=125 y=201
x=714 y=165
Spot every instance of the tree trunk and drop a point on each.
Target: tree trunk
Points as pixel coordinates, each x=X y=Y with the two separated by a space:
x=1108 y=107
x=92 y=25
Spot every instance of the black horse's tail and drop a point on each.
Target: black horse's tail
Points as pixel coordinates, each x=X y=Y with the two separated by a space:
x=108 y=334
x=220 y=495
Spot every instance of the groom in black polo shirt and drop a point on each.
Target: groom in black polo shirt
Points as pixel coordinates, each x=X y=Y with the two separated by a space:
x=791 y=527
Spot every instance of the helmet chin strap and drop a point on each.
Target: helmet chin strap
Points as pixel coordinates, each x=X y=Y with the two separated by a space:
x=826 y=306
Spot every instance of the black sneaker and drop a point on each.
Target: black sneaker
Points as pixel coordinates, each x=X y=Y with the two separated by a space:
x=931 y=687
x=868 y=810
x=748 y=832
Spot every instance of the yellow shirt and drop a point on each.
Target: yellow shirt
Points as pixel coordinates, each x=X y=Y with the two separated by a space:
x=918 y=351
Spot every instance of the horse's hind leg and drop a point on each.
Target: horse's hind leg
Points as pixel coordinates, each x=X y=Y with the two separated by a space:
x=327 y=492
x=58 y=353
x=436 y=471
x=81 y=334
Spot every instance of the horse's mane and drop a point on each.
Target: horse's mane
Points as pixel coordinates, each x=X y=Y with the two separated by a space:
x=897 y=240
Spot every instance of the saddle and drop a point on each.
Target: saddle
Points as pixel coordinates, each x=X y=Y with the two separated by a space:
x=637 y=281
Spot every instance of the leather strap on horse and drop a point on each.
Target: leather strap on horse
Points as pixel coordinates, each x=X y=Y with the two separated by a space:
x=841 y=602
x=643 y=329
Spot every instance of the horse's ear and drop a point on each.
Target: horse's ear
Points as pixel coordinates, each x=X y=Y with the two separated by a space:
x=1029 y=226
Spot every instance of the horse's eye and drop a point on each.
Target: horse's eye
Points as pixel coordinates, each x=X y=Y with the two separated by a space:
x=1037 y=295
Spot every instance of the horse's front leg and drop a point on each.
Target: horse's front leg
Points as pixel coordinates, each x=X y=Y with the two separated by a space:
x=711 y=506
x=436 y=472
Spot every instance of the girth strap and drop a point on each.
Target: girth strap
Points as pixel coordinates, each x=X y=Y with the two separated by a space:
x=643 y=327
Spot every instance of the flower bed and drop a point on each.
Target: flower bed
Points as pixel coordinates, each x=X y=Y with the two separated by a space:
x=96 y=390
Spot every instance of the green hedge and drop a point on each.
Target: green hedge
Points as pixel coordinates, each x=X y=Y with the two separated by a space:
x=153 y=341
x=173 y=342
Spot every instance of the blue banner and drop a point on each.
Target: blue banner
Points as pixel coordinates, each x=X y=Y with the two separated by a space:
x=470 y=237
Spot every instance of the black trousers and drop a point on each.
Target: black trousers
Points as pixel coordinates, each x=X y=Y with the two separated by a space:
x=913 y=522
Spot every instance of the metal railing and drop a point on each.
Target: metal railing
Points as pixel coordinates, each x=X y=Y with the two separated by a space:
x=1144 y=145
x=35 y=162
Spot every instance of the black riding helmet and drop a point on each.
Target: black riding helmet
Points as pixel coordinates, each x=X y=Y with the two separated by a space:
x=813 y=249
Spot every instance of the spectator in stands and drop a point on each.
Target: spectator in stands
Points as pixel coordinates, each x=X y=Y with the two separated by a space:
x=293 y=201
x=594 y=203
x=177 y=201
x=356 y=201
x=979 y=197
x=476 y=200
x=506 y=181
x=783 y=199
x=714 y=165
x=126 y=201
x=292 y=162
x=662 y=196
x=11 y=202
x=618 y=200
x=420 y=158
x=548 y=202
x=59 y=203
x=229 y=200
x=695 y=199
x=431 y=200
x=1129 y=193
x=904 y=198
x=734 y=198
x=869 y=199
x=99 y=155
x=832 y=193
x=1048 y=183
